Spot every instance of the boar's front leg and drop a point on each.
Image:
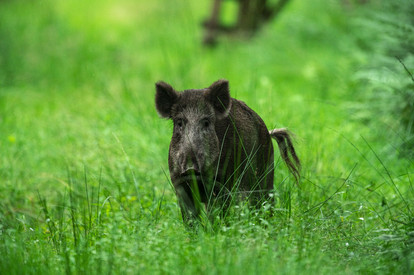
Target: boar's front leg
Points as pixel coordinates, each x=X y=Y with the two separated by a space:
x=185 y=196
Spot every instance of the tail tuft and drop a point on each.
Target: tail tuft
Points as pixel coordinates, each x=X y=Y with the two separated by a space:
x=287 y=151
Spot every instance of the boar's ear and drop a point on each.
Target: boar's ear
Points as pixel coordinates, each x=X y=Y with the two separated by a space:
x=218 y=95
x=165 y=97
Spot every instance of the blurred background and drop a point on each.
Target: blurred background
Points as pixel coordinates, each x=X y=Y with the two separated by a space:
x=74 y=74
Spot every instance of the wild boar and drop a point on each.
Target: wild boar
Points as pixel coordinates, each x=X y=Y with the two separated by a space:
x=220 y=148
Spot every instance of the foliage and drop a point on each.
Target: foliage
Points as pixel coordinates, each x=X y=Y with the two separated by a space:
x=385 y=83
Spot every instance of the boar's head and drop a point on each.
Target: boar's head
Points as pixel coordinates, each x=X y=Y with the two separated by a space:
x=194 y=147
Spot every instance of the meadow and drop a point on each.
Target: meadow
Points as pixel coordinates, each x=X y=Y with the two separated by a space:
x=84 y=182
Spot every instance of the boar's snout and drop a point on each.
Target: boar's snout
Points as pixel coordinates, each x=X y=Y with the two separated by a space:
x=189 y=163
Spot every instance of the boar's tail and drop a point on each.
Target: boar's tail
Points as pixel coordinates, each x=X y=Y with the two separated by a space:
x=287 y=151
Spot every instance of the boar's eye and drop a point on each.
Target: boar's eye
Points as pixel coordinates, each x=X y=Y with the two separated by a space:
x=179 y=123
x=205 y=122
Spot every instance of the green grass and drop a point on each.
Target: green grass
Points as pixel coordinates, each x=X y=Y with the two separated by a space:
x=84 y=184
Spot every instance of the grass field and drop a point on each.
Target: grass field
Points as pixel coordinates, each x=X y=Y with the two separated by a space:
x=84 y=183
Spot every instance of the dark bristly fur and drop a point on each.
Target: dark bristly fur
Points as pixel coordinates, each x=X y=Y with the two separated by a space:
x=220 y=148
